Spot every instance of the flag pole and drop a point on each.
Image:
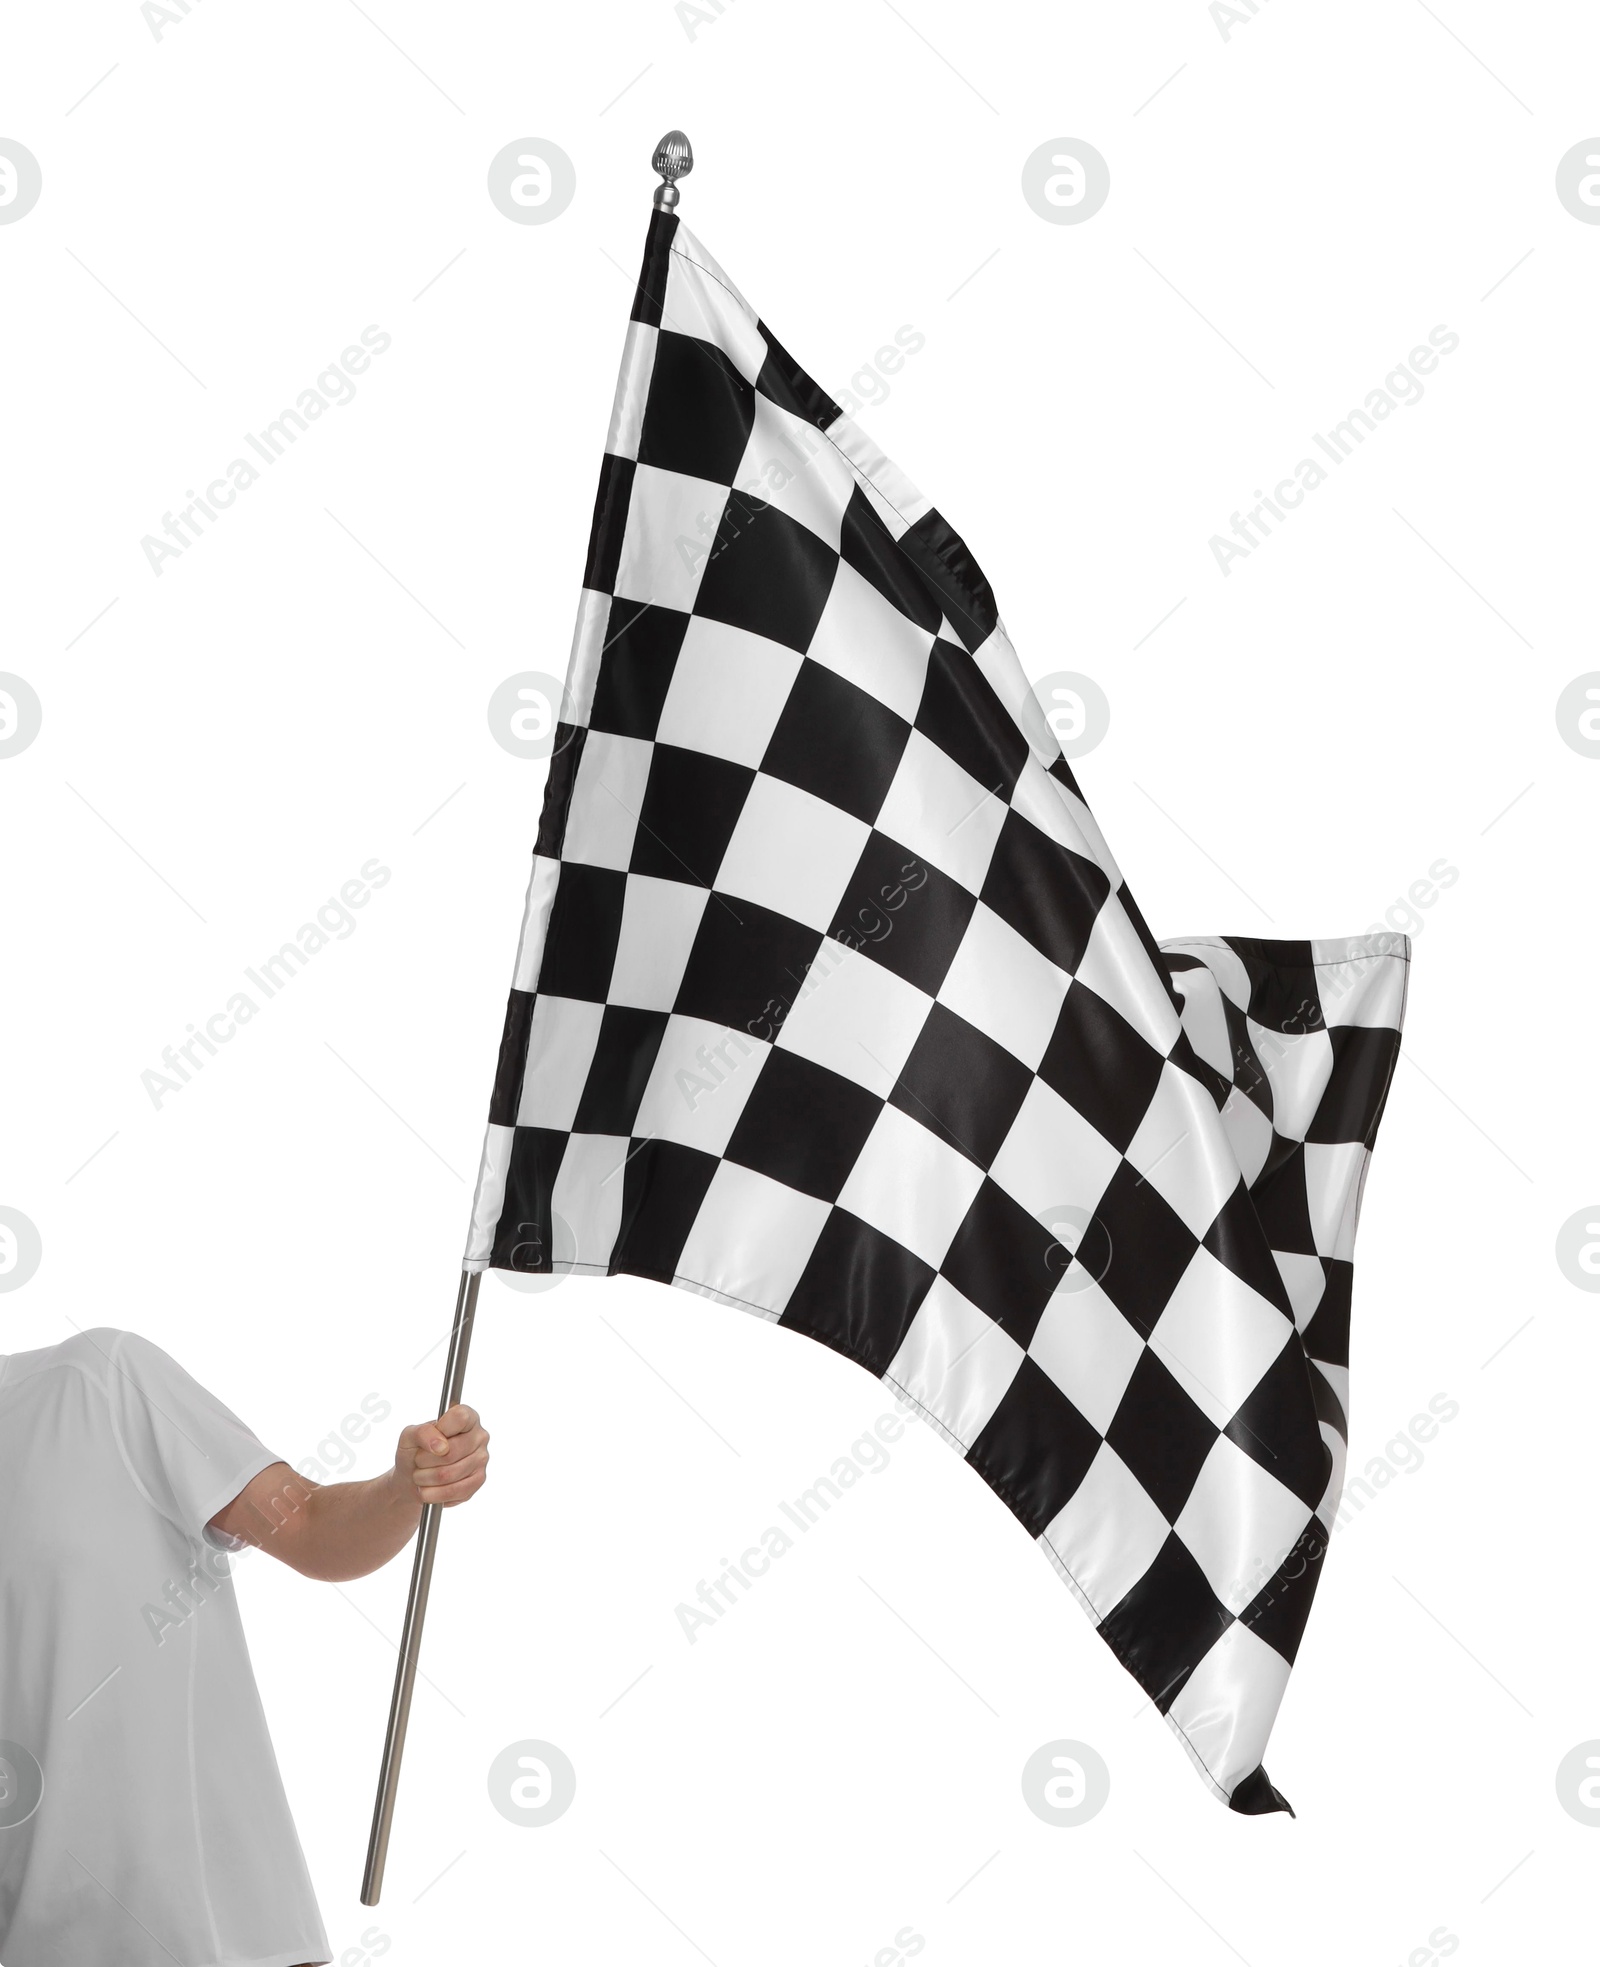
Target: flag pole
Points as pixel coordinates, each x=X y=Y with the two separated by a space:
x=672 y=159
x=405 y=1677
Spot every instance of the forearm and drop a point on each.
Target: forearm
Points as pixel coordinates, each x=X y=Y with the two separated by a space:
x=356 y=1527
x=346 y=1529
x=335 y=1532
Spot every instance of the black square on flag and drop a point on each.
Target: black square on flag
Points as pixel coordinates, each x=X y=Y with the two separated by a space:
x=698 y=414
x=691 y=805
x=963 y=1087
x=837 y=741
x=743 y=964
x=903 y=913
x=803 y=1125
x=766 y=573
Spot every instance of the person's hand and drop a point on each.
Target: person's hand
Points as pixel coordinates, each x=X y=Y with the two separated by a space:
x=443 y=1461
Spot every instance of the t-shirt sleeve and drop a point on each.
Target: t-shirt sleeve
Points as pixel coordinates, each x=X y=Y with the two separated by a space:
x=189 y=1453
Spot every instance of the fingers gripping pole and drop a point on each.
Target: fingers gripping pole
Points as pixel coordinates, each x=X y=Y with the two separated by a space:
x=405 y=1677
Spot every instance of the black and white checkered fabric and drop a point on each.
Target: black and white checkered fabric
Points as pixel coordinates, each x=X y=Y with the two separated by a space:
x=831 y=1003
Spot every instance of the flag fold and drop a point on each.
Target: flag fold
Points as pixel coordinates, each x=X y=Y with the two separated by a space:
x=831 y=1003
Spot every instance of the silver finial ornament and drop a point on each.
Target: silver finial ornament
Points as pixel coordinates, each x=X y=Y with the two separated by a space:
x=673 y=159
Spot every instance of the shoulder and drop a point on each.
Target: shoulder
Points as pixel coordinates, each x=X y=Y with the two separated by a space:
x=106 y=1353
x=129 y=1350
x=105 y=1340
x=92 y=1353
x=133 y=1370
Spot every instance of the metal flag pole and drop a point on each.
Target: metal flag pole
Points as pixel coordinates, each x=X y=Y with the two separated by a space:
x=672 y=159
x=405 y=1674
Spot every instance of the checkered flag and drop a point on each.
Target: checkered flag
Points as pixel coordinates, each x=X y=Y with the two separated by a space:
x=831 y=1004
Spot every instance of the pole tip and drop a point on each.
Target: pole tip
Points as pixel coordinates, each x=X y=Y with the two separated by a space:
x=673 y=159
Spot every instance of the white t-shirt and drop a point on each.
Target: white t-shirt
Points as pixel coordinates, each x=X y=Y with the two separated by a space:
x=161 y=1835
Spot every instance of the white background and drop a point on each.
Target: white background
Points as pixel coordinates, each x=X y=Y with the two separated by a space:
x=1371 y=691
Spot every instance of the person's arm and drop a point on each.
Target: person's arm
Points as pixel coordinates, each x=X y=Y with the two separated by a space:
x=346 y=1529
